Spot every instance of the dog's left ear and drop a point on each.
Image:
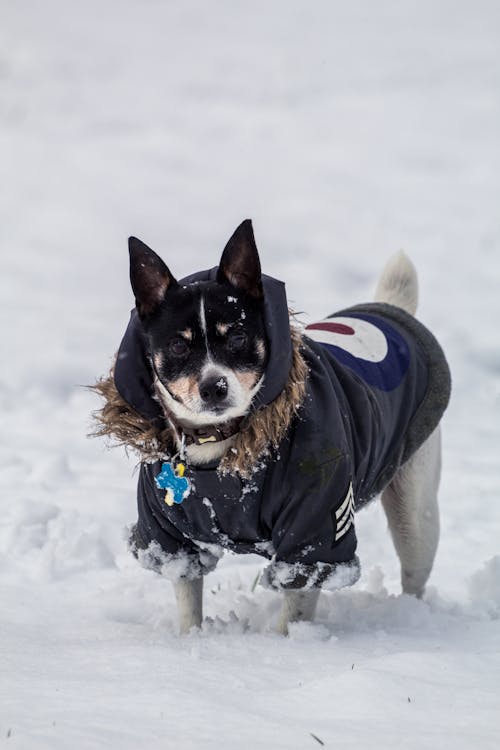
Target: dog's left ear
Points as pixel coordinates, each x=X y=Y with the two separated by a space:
x=240 y=264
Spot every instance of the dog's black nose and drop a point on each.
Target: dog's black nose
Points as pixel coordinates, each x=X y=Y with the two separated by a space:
x=213 y=390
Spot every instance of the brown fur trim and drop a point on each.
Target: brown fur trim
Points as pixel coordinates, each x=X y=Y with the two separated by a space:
x=124 y=426
x=262 y=431
x=265 y=429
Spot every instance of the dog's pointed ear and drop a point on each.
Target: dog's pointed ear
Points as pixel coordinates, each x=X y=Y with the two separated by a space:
x=240 y=264
x=149 y=276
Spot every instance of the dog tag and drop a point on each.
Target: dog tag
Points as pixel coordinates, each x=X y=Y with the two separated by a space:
x=211 y=439
x=173 y=481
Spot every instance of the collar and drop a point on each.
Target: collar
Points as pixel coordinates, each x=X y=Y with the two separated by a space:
x=211 y=433
x=214 y=433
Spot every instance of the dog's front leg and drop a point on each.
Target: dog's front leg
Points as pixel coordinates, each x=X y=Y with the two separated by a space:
x=189 y=595
x=298 y=605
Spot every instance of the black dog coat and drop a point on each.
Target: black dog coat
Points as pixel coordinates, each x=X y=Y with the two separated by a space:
x=377 y=387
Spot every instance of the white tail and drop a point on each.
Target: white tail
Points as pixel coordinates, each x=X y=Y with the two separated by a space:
x=398 y=284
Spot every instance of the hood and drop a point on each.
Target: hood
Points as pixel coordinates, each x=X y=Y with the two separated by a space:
x=133 y=374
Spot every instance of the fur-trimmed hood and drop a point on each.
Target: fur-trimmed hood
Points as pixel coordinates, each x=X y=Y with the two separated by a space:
x=132 y=414
x=135 y=382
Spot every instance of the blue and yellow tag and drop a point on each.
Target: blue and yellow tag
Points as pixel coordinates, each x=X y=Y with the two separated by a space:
x=173 y=481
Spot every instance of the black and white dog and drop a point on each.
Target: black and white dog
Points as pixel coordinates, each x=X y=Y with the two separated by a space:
x=257 y=437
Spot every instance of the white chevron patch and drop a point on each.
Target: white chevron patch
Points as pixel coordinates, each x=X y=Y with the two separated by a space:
x=345 y=515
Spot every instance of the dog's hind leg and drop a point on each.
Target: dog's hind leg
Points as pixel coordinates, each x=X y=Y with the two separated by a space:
x=410 y=503
x=189 y=595
x=298 y=605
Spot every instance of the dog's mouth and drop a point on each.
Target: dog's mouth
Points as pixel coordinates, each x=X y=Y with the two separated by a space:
x=196 y=411
x=219 y=396
x=216 y=410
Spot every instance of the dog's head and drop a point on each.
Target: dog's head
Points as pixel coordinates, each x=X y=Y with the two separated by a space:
x=207 y=339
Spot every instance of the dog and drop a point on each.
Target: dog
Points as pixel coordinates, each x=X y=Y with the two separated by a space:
x=256 y=436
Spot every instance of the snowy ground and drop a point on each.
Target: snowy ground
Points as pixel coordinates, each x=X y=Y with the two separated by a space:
x=346 y=130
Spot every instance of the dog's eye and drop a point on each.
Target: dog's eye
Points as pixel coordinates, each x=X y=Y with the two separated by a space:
x=178 y=347
x=236 y=341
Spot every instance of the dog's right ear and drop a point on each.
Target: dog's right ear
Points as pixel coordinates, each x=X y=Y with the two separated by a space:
x=149 y=276
x=240 y=264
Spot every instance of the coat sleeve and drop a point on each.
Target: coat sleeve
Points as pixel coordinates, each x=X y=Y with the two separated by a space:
x=157 y=544
x=313 y=533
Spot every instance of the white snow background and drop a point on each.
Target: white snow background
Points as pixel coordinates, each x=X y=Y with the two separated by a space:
x=345 y=130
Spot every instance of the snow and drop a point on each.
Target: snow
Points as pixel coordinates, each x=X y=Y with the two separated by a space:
x=346 y=131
